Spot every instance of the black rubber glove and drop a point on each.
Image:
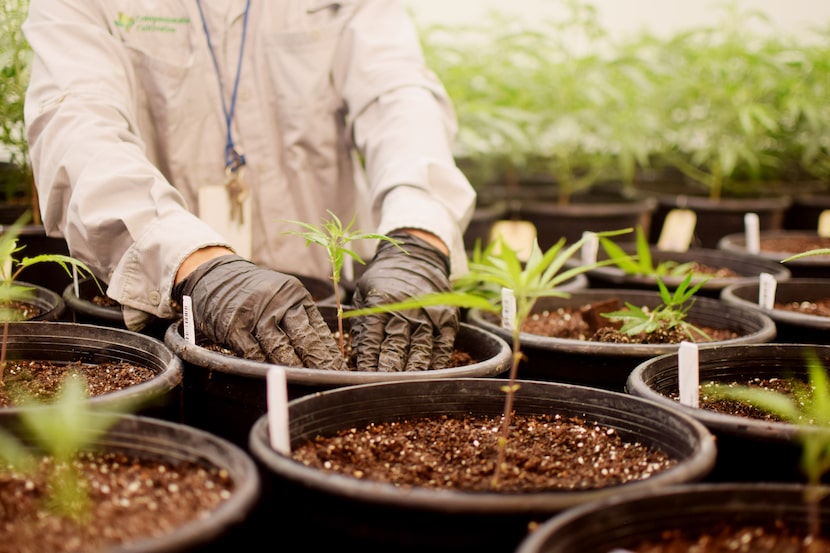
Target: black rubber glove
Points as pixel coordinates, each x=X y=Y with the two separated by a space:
x=412 y=340
x=259 y=313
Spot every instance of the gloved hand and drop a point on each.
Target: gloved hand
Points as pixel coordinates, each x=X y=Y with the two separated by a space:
x=412 y=340
x=259 y=313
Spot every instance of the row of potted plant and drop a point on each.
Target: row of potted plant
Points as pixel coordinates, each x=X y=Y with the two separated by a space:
x=733 y=108
x=722 y=118
x=530 y=280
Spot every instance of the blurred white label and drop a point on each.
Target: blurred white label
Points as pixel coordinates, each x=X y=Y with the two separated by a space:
x=766 y=290
x=508 y=308
x=590 y=247
x=689 y=375
x=752 y=231
x=678 y=230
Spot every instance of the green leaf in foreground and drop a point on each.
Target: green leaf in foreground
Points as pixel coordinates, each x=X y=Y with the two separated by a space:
x=60 y=429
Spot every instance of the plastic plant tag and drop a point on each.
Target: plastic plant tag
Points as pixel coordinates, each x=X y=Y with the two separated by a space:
x=517 y=235
x=678 y=230
x=590 y=246
x=752 y=232
x=347 y=271
x=766 y=290
x=187 y=320
x=824 y=223
x=75 y=287
x=508 y=308
x=277 y=390
x=688 y=374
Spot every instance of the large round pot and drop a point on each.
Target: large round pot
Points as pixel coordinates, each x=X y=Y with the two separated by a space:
x=350 y=512
x=226 y=394
x=813 y=266
x=625 y=522
x=147 y=441
x=791 y=326
x=747 y=266
x=748 y=449
x=606 y=364
x=65 y=342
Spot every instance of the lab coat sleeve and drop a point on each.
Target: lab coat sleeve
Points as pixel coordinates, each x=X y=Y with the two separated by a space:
x=97 y=187
x=403 y=124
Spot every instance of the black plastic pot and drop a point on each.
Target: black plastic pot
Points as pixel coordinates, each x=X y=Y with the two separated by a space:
x=747 y=266
x=607 y=365
x=717 y=218
x=152 y=439
x=48 y=302
x=370 y=516
x=589 y=212
x=807 y=207
x=748 y=449
x=791 y=326
x=65 y=342
x=814 y=266
x=623 y=523
x=226 y=394
x=83 y=309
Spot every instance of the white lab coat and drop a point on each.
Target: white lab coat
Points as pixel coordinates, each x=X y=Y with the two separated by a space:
x=124 y=102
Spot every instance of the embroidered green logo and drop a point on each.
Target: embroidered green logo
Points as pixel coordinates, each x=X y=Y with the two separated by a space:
x=124 y=21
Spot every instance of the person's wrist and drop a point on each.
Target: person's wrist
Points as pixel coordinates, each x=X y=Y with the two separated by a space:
x=429 y=238
x=199 y=257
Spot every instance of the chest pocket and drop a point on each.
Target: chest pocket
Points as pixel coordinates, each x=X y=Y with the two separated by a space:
x=300 y=59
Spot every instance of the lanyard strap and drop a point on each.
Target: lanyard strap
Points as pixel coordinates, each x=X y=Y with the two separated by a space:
x=233 y=158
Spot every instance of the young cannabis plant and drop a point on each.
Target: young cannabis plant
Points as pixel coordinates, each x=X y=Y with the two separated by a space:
x=808 y=405
x=12 y=293
x=670 y=314
x=643 y=263
x=496 y=273
x=335 y=238
x=59 y=429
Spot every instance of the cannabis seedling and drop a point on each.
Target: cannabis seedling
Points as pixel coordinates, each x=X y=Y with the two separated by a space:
x=11 y=291
x=670 y=314
x=643 y=263
x=335 y=238
x=494 y=273
x=809 y=405
x=60 y=429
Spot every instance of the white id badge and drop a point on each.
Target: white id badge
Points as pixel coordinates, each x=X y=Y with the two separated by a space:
x=215 y=210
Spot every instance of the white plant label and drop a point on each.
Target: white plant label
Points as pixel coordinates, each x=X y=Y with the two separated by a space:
x=824 y=223
x=187 y=320
x=75 y=287
x=688 y=374
x=766 y=290
x=590 y=247
x=516 y=235
x=277 y=393
x=508 y=308
x=678 y=230
x=752 y=232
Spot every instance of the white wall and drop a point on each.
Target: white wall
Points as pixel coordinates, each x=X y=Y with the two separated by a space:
x=628 y=16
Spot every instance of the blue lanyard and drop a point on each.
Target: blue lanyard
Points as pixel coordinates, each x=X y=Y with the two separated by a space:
x=233 y=158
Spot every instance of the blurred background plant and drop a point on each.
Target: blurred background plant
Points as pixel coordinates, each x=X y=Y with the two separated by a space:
x=15 y=64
